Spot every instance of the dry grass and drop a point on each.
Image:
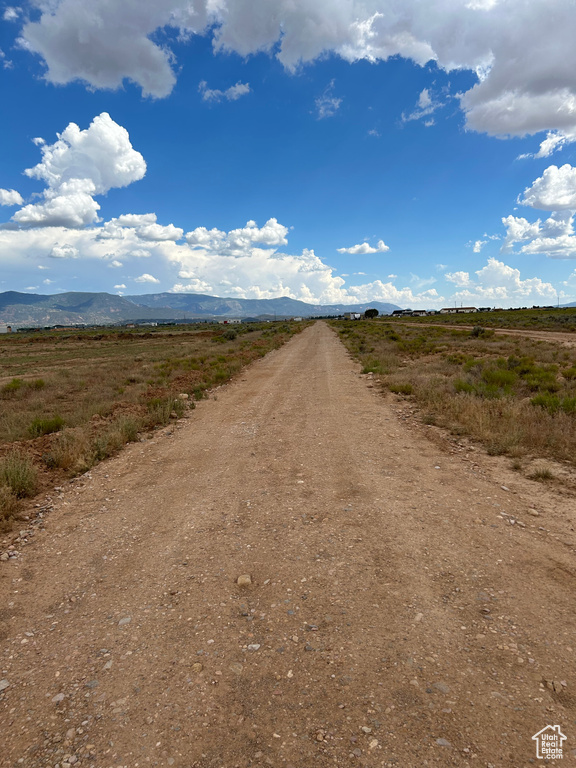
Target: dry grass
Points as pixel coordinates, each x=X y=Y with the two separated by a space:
x=516 y=396
x=72 y=399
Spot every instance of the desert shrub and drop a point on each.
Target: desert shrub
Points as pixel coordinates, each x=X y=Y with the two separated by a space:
x=497 y=377
x=401 y=389
x=570 y=373
x=479 y=332
x=129 y=427
x=18 y=473
x=542 y=474
x=542 y=379
x=11 y=388
x=555 y=403
x=67 y=450
x=230 y=334
x=464 y=386
x=37 y=384
x=373 y=366
x=9 y=504
x=45 y=426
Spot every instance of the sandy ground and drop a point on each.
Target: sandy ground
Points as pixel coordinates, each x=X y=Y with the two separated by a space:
x=405 y=609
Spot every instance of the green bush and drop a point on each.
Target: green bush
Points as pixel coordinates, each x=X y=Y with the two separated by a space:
x=464 y=386
x=11 y=388
x=41 y=426
x=498 y=377
x=18 y=473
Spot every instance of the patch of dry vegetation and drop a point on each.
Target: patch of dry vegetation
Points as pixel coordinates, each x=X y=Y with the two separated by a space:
x=71 y=399
x=552 y=319
x=515 y=395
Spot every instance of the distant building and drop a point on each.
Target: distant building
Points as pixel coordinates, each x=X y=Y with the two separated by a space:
x=230 y=321
x=5 y=328
x=352 y=315
x=457 y=310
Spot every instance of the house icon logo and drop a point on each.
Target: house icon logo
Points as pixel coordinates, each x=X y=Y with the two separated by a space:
x=549 y=743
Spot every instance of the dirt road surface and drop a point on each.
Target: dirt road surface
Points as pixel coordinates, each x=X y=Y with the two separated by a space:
x=405 y=610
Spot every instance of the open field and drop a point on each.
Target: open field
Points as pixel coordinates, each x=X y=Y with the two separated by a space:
x=69 y=399
x=516 y=395
x=406 y=603
x=543 y=319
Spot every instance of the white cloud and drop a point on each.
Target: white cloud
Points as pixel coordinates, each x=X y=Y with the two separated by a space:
x=478 y=245
x=553 y=237
x=230 y=94
x=63 y=252
x=11 y=13
x=145 y=226
x=554 y=141
x=245 y=262
x=364 y=248
x=327 y=104
x=78 y=166
x=522 y=53
x=146 y=278
x=6 y=63
x=392 y=277
x=553 y=191
x=461 y=279
x=425 y=107
x=498 y=284
x=10 y=197
x=120 y=287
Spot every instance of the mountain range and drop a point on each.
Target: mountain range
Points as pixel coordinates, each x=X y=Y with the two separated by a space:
x=75 y=308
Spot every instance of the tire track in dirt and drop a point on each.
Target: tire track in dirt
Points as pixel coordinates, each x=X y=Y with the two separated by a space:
x=395 y=617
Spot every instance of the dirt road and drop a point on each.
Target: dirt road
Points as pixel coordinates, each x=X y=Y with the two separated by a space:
x=555 y=337
x=396 y=617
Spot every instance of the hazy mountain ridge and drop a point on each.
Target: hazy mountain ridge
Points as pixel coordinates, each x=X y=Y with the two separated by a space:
x=73 y=308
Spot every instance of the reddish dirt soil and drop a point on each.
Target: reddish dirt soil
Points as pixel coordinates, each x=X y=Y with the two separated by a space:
x=405 y=609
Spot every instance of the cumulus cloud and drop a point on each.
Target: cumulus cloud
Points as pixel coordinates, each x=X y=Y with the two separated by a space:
x=79 y=165
x=364 y=248
x=498 y=284
x=523 y=54
x=461 y=279
x=10 y=197
x=327 y=104
x=230 y=94
x=553 y=191
x=553 y=237
x=63 y=252
x=478 y=245
x=146 y=278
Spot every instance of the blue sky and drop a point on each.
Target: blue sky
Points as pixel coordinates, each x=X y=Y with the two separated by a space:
x=328 y=150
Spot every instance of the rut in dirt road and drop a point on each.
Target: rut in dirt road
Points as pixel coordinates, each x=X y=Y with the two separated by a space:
x=394 y=617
